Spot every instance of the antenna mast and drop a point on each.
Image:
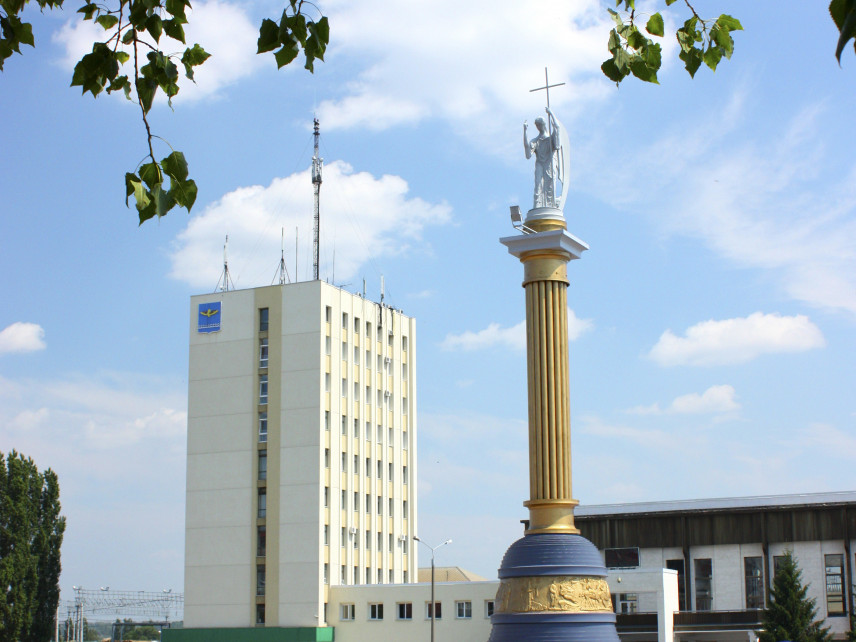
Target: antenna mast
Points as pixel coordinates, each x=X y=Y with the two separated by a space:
x=317 y=162
x=226 y=277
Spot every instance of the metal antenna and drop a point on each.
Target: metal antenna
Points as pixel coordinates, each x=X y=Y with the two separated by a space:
x=225 y=277
x=317 y=162
x=283 y=270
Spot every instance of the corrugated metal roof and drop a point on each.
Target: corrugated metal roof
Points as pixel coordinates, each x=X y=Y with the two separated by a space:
x=724 y=503
x=449 y=574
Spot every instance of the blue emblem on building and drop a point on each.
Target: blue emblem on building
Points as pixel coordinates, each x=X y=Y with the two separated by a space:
x=209 y=317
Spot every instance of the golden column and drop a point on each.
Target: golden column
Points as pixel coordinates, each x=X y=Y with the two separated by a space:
x=545 y=254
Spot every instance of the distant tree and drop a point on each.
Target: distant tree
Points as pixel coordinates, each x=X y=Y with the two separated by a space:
x=31 y=530
x=791 y=614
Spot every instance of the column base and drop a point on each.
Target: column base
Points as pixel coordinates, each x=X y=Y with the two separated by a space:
x=551 y=516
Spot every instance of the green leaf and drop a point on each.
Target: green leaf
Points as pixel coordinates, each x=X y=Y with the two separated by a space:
x=723 y=39
x=88 y=10
x=611 y=71
x=712 y=57
x=175 y=166
x=95 y=69
x=151 y=174
x=193 y=57
x=616 y=17
x=176 y=8
x=728 y=22
x=129 y=36
x=848 y=30
x=655 y=25
x=692 y=60
x=122 y=57
x=643 y=72
x=174 y=30
x=636 y=40
x=286 y=55
x=614 y=41
x=107 y=21
x=268 y=36
x=154 y=26
x=669 y=3
x=184 y=193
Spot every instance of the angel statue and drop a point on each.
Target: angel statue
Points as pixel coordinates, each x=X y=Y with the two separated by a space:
x=548 y=148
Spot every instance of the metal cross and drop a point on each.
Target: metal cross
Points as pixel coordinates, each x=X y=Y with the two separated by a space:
x=546 y=86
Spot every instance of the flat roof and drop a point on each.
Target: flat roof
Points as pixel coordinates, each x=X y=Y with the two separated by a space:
x=723 y=503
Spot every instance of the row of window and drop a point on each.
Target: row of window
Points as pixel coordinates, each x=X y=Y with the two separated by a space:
x=356 y=507
x=404 y=610
x=328 y=314
x=368 y=430
x=753 y=578
x=343 y=577
x=356 y=467
x=354 y=532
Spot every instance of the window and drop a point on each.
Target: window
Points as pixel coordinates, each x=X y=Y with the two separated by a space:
x=263 y=464
x=356 y=500
x=262 y=502
x=260 y=613
x=344 y=422
x=368 y=503
x=390 y=436
x=326 y=496
x=376 y=611
x=357 y=355
x=368 y=539
x=368 y=575
x=263 y=353
x=488 y=608
x=391 y=577
x=379 y=403
x=437 y=611
x=261 y=541
x=379 y=469
x=326 y=573
x=368 y=330
x=405 y=441
x=464 y=610
x=260 y=579
x=343 y=538
x=390 y=507
x=344 y=351
x=328 y=314
x=627 y=603
x=262 y=427
x=404 y=405
x=753 y=572
x=356 y=325
x=356 y=435
x=344 y=505
x=405 y=610
x=379 y=505
x=346 y=612
x=404 y=576
x=326 y=458
x=379 y=574
x=344 y=320
x=328 y=345
x=356 y=568
x=344 y=463
x=344 y=389
x=263 y=319
x=834 y=584
x=326 y=534
x=404 y=548
x=327 y=389
x=391 y=545
x=263 y=390
x=356 y=393
x=777 y=563
x=368 y=425
x=621 y=557
x=404 y=473
x=404 y=371
x=404 y=509
x=389 y=466
x=703 y=584
x=344 y=574
x=368 y=466
x=327 y=418
x=380 y=542
x=678 y=565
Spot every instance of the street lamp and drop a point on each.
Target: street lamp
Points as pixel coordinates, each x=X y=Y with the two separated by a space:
x=433 y=603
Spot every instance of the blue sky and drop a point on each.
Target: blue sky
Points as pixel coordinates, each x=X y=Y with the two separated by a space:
x=713 y=318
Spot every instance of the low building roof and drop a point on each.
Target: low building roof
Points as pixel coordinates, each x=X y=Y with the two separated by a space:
x=449 y=574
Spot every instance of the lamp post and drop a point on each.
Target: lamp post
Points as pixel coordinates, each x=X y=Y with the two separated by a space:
x=433 y=603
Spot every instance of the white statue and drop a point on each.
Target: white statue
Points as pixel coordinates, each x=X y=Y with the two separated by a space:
x=545 y=147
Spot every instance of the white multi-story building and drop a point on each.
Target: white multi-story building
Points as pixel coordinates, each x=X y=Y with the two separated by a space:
x=301 y=455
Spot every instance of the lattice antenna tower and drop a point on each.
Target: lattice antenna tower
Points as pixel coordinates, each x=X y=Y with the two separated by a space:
x=317 y=163
x=225 y=283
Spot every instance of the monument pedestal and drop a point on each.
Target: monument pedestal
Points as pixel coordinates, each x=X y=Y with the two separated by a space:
x=552 y=581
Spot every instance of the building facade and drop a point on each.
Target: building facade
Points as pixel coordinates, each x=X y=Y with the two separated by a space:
x=725 y=553
x=301 y=454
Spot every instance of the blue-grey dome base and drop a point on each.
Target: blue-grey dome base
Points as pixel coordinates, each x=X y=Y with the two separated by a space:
x=552 y=554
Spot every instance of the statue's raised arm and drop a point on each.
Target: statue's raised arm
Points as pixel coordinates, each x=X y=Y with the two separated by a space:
x=526 y=147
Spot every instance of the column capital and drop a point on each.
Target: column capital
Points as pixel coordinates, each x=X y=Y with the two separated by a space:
x=552 y=241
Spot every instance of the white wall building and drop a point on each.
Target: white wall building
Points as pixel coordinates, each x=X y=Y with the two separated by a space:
x=301 y=453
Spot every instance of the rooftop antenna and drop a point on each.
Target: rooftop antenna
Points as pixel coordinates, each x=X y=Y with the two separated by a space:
x=283 y=270
x=381 y=289
x=225 y=278
x=317 y=162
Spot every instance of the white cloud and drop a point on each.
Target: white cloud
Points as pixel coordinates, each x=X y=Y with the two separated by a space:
x=22 y=337
x=223 y=29
x=513 y=337
x=738 y=340
x=363 y=217
x=780 y=204
x=434 y=62
x=716 y=399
